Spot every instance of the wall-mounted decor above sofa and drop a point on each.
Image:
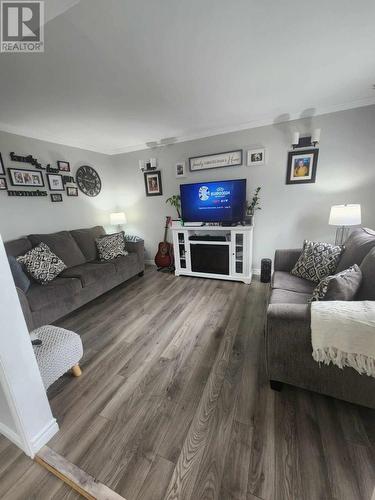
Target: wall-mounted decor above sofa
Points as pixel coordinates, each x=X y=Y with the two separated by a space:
x=25 y=178
x=88 y=180
x=3 y=184
x=63 y=166
x=302 y=166
x=72 y=191
x=153 y=183
x=227 y=159
x=55 y=182
x=27 y=193
x=56 y=197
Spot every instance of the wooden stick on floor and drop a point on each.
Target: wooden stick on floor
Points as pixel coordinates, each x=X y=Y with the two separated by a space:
x=73 y=476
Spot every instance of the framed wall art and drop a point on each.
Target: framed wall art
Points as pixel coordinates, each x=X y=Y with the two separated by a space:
x=153 y=183
x=227 y=159
x=256 y=157
x=301 y=168
x=180 y=169
x=25 y=178
x=56 y=197
x=3 y=184
x=55 y=182
x=72 y=191
x=63 y=166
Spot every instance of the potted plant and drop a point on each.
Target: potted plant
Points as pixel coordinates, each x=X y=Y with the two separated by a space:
x=252 y=207
x=175 y=201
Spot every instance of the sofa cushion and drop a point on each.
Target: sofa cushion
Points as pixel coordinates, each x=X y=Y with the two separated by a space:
x=111 y=246
x=42 y=264
x=341 y=286
x=63 y=245
x=126 y=262
x=21 y=280
x=18 y=247
x=367 y=289
x=361 y=240
x=288 y=297
x=91 y=272
x=286 y=281
x=40 y=297
x=85 y=239
x=317 y=260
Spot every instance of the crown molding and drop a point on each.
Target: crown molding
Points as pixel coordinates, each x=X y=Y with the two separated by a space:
x=259 y=122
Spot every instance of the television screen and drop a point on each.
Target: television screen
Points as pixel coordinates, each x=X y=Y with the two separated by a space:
x=221 y=201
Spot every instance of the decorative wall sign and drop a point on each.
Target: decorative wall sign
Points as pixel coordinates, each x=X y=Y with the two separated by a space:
x=72 y=191
x=55 y=182
x=67 y=179
x=180 y=169
x=25 y=159
x=153 y=183
x=88 y=181
x=56 y=197
x=63 y=166
x=227 y=159
x=301 y=167
x=256 y=157
x=27 y=193
x=25 y=178
x=2 y=169
x=3 y=184
x=52 y=170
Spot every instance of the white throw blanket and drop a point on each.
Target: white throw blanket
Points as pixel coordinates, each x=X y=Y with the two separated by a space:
x=343 y=333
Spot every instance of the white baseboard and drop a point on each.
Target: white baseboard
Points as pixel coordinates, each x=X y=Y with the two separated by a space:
x=11 y=435
x=150 y=263
x=44 y=436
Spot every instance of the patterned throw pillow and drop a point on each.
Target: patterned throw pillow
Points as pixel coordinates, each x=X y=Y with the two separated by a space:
x=317 y=260
x=42 y=264
x=341 y=286
x=111 y=246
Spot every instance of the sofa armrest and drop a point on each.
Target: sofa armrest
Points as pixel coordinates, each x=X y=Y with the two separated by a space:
x=289 y=312
x=285 y=259
x=137 y=247
x=25 y=309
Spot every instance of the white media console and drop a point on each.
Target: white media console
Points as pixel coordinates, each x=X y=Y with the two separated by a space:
x=214 y=252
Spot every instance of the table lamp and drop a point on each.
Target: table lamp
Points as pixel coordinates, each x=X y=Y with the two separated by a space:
x=118 y=219
x=344 y=216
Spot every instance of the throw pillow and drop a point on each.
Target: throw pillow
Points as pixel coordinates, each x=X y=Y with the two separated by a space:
x=317 y=260
x=111 y=246
x=21 y=280
x=341 y=286
x=42 y=264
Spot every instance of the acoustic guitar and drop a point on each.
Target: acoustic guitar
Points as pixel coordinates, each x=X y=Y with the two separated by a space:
x=164 y=257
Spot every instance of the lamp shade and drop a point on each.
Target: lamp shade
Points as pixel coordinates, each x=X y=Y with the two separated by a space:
x=345 y=215
x=117 y=218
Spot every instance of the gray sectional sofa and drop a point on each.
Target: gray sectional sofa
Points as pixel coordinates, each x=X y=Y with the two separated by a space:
x=288 y=334
x=84 y=279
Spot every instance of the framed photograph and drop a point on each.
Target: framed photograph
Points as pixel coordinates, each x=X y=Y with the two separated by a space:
x=227 y=159
x=153 y=183
x=64 y=166
x=302 y=166
x=25 y=178
x=56 y=197
x=72 y=191
x=3 y=184
x=55 y=182
x=180 y=169
x=2 y=169
x=256 y=157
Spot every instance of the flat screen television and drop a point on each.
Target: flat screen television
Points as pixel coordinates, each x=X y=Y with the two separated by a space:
x=219 y=201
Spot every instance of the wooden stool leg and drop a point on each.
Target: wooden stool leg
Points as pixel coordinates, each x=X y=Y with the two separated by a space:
x=76 y=371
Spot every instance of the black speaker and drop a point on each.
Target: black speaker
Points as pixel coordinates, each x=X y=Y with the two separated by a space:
x=265 y=270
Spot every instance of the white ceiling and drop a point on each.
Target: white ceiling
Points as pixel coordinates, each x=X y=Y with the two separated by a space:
x=118 y=74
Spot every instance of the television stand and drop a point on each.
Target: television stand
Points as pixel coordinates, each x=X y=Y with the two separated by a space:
x=214 y=252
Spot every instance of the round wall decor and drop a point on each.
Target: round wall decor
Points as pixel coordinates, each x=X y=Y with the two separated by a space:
x=88 y=181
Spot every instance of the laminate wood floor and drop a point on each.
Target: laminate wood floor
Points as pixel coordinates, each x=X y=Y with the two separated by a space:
x=174 y=403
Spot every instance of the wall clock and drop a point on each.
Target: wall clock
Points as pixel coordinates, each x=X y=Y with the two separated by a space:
x=88 y=181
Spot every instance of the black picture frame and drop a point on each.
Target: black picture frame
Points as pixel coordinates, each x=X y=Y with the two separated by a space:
x=72 y=191
x=3 y=184
x=56 y=197
x=61 y=167
x=51 y=186
x=24 y=174
x=238 y=163
x=303 y=172
x=2 y=168
x=151 y=190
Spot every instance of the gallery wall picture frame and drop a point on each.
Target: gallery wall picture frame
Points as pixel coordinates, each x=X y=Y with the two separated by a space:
x=25 y=178
x=180 y=169
x=153 y=183
x=302 y=165
x=63 y=166
x=56 y=197
x=256 y=157
x=55 y=182
x=3 y=184
x=72 y=191
x=2 y=169
x=216 y=160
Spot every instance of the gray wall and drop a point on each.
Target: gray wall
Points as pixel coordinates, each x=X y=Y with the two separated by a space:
x=19 y=216
x=290 y=213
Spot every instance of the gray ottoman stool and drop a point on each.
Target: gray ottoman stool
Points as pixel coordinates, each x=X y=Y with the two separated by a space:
x=61 y=350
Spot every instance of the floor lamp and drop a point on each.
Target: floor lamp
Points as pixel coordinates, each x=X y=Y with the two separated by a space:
x=344 y=216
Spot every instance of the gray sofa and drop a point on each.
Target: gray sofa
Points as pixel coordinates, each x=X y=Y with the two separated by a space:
x=288 y=334
x=84 y=279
